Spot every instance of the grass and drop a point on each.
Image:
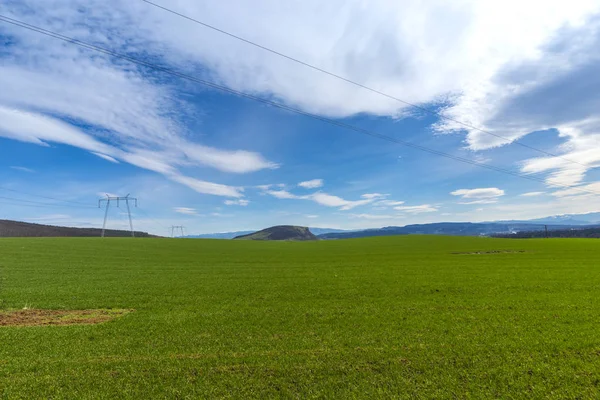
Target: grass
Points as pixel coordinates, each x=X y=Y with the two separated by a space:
x=405 y=317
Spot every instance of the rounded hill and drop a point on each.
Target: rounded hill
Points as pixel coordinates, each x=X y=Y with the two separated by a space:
x=281 y=232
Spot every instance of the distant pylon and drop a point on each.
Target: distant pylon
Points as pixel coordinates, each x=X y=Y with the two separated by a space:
x=176 y=228
x=108 y=199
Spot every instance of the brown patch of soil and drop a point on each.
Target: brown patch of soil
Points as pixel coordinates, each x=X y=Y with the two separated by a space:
x=492 y=252
x=32 y=317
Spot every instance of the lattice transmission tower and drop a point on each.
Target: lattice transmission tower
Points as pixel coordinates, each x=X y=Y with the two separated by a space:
x=117 y=199
x=177 y=228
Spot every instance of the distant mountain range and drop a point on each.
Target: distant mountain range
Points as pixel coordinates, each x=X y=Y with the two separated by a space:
x=451 y=228
x=565 y=219
x=557 y=222
x=514 y=228
x=579 y=232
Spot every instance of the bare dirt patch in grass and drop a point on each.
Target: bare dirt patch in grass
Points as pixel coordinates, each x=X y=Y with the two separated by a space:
x=491 y=252
x=36 y=317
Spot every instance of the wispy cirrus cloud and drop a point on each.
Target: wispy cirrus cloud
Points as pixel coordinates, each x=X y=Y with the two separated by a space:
x=420 y=209
x=335 y=201
x=374 y=196
x=270 y=186
x=532 y=194
x=283 y=194
x=186 y=210
x=240 y=202
x=479 y=196
x=324 y=199
x=389 y=203
x=106 y=157
x=384 y=217
x=312 y=184
x=511 y=68
x=51 y=89
x=582 y=190
x=22 y=169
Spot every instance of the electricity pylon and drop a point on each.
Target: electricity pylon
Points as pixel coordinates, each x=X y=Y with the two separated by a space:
x=108 y=199
x=176 y=228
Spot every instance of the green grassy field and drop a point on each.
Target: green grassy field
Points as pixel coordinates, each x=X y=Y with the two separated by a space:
x=402 y=317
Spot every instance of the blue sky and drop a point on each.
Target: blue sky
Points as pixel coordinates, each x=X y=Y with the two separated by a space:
x=75 y=124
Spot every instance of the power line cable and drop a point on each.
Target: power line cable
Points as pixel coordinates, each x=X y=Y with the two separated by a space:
x=152 y=219
x=31 y=205
x=280 y=105
x=314 y=67
x=43 y=204
x=42 y=197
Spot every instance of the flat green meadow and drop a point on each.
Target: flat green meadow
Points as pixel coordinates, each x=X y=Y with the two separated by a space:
x=394 y=317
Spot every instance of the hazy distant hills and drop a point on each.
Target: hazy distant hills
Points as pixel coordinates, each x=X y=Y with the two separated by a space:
x=449 y=228
x=584 y=231
x=565 y=219
x=557 y=222
x=512 y=227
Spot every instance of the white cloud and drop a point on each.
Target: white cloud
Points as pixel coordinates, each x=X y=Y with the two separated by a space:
x=582 y=190
x=240 y=202
x=321 y=198
x=311 y=216
x=495 y=53
x=347 y=38
x=377 y=216
x=312 y=184
x=335 y=201
x=238 y=161
x=573 y=203
x=49 y=88
x=532 y=194
x=207 y=187
x=510 y=67
x=185 y=210
x=107 y=158
x=582 y=147
x=424 y=208
x=282 y=194
x=389 y=203
x=150 y=160
x=221 y=215
x=373 y=196
x=391 y=46
x=482 y=201
x=482 y=193
x=479 y=196
x=269 y=186
x=39 y=129
x=22 y=169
